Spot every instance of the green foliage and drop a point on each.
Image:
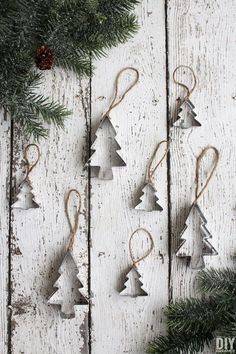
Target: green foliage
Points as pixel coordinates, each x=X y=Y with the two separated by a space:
x=217 y=282
x=193 y=323
x=77 y=31
x=179 y=345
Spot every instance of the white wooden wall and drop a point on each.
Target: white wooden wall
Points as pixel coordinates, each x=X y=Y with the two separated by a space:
x=192 y=32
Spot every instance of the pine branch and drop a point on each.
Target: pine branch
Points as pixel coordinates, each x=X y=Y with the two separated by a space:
x=193 y=323
x=75 y=31
x=4 y=28
x=229 y=330
x=99 y=41
x=34 y=112
x=217 y=282
x=180 y=343
x=92 y=6
x=50 y=112
x=196 y=316
x=31 y=110
x=6 y=16
x=117 y=6
x=32 y=127
x=127 y=26
x=71 y=59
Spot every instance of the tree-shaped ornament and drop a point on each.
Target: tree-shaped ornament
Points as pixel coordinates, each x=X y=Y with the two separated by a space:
x=186 y=117
x=133 y=285
x=25 y=197
x=69 y=291
x=195 y=237
x=148 y=201
x=104 y=149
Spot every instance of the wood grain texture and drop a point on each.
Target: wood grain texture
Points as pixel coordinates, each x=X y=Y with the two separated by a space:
x=5 y=161
x=122 y=324
x=202 y=35
x=40 y=236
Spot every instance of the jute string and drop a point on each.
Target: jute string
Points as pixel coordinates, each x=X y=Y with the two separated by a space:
x=115 y=102
x=198 y=191
x=151 y=170
x=30 y=166
x=73 y=229
x=189 y=91
x=136 y=261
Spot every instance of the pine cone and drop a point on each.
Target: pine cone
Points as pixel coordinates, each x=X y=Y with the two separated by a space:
x=44 y=58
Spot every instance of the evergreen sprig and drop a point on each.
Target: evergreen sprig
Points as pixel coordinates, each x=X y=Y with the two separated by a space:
x=77 y=31
x=194 y=323
x=217 y=282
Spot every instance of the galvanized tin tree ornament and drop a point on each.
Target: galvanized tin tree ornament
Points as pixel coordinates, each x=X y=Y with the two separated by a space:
x=186 y=117
x=104 y=149
x=148 y=201
x=195 y=237
x=133 y=285
x=25 y=197
x=69 y=291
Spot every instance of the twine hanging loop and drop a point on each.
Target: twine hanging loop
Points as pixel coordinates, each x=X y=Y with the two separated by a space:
x=73 y=229
x=151 y=170
x=198 y=191
x=115 y=102
x=136 y=261
x=30 y=166
x=189 y=91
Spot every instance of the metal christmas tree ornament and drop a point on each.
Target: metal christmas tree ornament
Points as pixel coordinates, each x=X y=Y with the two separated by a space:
x=148 y=201
x=195 y=237
x=25 y=197
x=69 y=289
x=104 y=149
x=133 y=285
x=186 y=117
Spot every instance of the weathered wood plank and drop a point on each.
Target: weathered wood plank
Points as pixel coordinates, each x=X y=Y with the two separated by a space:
x=5 y=161
x=121 y=324
x=201 y=34
x=40 y=236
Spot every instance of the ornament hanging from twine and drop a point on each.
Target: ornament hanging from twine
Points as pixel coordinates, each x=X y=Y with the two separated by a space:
x=148 y=200
x=25 y=197
x=69 y=291
x=195 y=236
x=186 y=117
x=104 y=149
x=133 y=286
x=44 y=58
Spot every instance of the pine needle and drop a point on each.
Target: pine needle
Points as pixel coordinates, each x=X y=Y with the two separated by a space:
x=76 y=31
x=194 y=323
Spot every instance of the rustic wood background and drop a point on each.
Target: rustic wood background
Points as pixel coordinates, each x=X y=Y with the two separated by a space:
x=198 y=33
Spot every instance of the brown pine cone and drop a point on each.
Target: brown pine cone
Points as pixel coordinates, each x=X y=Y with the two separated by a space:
x=44 y=58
